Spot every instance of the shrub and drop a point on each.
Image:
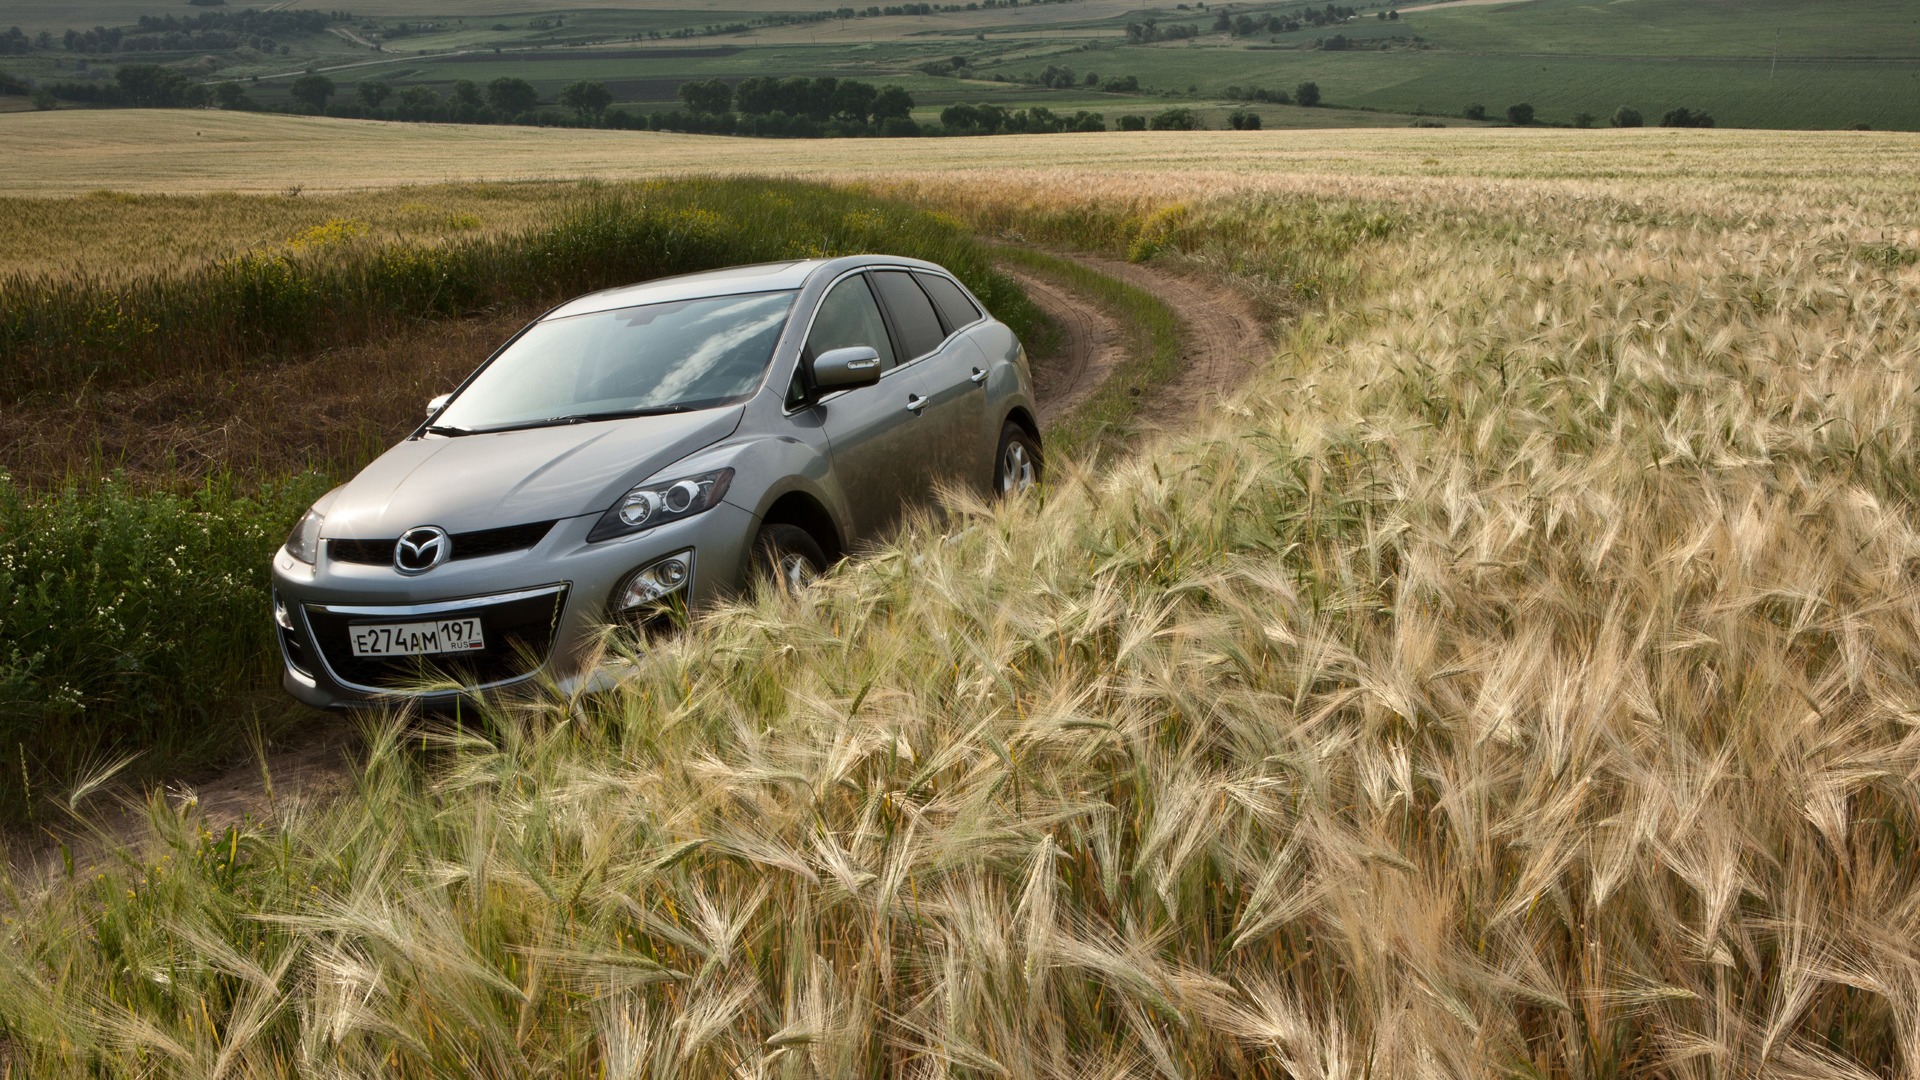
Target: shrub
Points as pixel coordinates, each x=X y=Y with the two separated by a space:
x=1624 y=117
x=1685 y=118
x=1176 y=120
x=1131 y=122
x=1307 y=93
x=132 y=620
x=1243 y=120
x=1521 y=114
x=311 y=91
x=1475 y=111
x=1583 y=119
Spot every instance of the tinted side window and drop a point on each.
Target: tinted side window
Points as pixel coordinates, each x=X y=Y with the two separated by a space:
x=848 y=316
x=953 y=304
x=912 y=312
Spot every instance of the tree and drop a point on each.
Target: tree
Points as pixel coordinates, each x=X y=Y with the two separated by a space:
x=1521 y=114
x=1684 y=117
x=1475 y=111
x=1625 y=117
x=311 y=91
x=152 y=86
x=1243 y=120
x=708 y=96
x=1131 y=122
x=891 y=103
x=465 y=93
x=419 y=101
x=853 y=100
x=510 y=97
x=1176 y=120
x=231 y=95
x=588 y=99
x=373 y=92
x=42 y=98
x=1583 y=119
x=1307 y=93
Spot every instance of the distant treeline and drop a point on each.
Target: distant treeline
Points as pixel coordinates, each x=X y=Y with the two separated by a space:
x=208 y=31
x=1270 y=23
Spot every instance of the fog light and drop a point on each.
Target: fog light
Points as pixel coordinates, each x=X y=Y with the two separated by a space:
x=655 y=582
x=280 y=613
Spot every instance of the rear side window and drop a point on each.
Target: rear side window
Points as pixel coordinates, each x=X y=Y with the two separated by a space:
x=952 y=302
x=912 y=312
x=848 y=316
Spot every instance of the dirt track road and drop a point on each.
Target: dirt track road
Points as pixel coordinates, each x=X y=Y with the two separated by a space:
x=1222 y=341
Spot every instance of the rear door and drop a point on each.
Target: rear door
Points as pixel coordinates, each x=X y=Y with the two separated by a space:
x=953 y=374
x=874 y=433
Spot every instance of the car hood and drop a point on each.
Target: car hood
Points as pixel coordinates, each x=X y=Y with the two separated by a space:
x=502 y=478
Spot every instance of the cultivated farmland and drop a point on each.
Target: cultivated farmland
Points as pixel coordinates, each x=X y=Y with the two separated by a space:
x=1771 y=63
x=1517 y=678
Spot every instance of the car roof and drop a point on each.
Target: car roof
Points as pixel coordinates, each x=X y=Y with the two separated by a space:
x=730 y=281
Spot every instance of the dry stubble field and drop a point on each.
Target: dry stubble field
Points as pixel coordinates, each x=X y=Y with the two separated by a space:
x=1518 y=679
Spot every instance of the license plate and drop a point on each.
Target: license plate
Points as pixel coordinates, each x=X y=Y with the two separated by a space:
x=418 y=638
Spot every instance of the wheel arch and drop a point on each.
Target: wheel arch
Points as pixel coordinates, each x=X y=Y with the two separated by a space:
x=803 y=511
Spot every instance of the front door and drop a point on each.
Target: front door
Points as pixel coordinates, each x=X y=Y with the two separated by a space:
x=873 y=432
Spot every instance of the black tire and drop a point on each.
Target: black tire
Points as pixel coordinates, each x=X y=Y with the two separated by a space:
x=1017 y=463
x=786 y=557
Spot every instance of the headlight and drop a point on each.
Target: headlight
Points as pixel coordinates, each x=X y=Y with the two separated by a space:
x=656 y=504
x=304 y=542
x=654 y=583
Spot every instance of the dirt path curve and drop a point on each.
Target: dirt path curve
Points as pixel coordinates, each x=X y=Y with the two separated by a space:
x=1222 y=342
x=1091 y=346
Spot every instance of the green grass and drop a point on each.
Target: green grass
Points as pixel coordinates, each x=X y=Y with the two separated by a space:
x=134 y=622
x=1738 y=93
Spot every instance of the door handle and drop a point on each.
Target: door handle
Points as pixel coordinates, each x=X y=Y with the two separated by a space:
x=915 y=403
x=979 y=376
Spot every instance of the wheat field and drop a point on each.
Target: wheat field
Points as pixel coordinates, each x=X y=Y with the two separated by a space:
x=1518 y=679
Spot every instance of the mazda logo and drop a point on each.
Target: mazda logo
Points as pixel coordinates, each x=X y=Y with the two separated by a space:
x=422 y=549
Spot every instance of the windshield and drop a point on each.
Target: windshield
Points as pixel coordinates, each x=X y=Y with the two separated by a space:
x=689 y=354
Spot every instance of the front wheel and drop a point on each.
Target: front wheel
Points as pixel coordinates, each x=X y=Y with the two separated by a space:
x=786 y=558
x=1016 y=465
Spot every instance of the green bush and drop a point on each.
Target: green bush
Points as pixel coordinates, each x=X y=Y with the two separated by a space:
x=131 y=621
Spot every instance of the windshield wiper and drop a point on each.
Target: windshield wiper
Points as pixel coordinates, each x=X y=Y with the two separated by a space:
x=569 y=418
x=614 y=414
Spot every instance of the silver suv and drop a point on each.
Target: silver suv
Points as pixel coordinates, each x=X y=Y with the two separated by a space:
x=646 y=448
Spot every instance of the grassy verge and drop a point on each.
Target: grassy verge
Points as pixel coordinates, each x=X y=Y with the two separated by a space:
x=1153 y=330
x=337 y=284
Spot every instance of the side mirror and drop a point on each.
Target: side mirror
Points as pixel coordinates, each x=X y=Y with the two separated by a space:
x=843 y=369
x=436 y=405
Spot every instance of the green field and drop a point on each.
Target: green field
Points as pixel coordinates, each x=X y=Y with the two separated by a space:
x=1769 y=63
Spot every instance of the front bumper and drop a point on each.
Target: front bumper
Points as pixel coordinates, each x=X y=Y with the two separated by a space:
x=542 y=608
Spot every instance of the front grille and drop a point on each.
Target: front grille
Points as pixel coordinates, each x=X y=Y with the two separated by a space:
x=467 y=545
x=519 y=634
